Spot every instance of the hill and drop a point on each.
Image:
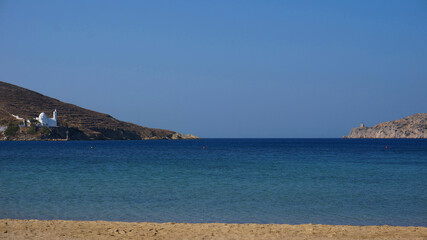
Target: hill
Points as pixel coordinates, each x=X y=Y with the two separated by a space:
x=81 y=123
x=414 y=126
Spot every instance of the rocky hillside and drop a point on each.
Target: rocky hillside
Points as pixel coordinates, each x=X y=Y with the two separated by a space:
x=81 y=123
x=414 y=126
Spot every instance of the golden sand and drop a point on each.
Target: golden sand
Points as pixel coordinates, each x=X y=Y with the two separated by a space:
x=59 y=229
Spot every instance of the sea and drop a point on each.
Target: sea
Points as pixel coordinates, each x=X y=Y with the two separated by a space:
x=286 y=181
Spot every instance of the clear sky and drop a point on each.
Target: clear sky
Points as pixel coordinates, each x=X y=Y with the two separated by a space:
x=224 y=68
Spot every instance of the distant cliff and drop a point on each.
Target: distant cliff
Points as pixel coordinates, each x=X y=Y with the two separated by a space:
x=414 y=126
x=80 y=123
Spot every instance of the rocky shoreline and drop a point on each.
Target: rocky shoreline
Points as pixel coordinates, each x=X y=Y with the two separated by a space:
x=72 y=134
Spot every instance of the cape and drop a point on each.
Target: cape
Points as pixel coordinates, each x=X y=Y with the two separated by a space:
x=20 y=106
x=414 y=126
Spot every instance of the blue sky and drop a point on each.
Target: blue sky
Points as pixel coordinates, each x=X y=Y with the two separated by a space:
x=224 y=68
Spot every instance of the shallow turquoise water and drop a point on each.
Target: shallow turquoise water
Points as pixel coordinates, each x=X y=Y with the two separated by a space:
x=322 y=181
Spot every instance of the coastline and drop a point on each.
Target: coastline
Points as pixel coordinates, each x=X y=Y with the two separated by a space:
x=62 y=229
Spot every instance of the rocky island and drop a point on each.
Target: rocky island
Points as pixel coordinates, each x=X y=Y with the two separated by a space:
x=20 y=107
x=414 y=126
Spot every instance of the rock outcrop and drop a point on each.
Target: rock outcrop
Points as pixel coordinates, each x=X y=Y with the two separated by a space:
x=79 y=123
x=177 y=136
x=414 y=126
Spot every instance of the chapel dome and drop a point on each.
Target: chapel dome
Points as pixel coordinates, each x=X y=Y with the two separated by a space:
x=42 y=116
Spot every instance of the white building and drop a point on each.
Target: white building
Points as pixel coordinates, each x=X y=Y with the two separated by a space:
x=45 y=121
x=24 y=123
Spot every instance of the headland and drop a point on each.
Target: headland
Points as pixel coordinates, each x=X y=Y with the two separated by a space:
x=25 y=115
x=414 y=126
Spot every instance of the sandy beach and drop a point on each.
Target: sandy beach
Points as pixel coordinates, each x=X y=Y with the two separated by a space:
x=59 y=229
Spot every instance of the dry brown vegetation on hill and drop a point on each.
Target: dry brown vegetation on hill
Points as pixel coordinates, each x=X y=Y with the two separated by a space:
x=81 y=123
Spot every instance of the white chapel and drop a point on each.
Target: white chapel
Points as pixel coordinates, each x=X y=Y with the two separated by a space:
x=45 y=121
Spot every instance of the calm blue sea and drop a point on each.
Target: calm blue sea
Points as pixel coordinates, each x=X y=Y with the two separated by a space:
x=294 y=181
